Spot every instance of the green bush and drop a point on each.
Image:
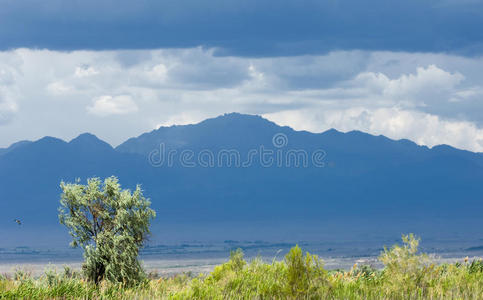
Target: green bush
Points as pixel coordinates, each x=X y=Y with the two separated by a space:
x=304 y=275
x=476 y=266
x=406 y=270
x=110 y=224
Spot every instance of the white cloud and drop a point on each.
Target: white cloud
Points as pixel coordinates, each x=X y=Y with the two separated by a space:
x=429 y=84
x=85 y=71
x=8 y=94
x=430 y=98
x=8 y=106
x=474 y=93
x=109 y=105
x=6 y=77
x=183 y=118
x=422 y=128
x=257 y=78
x=159 y=71
x=58 y=88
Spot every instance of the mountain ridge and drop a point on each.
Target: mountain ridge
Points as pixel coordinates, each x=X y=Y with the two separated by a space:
x=362 y=177
x=330 y=131
x=122 y=147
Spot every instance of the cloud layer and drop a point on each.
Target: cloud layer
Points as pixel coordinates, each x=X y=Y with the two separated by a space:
x=429 y=98
x=109 y=105
x=245 y=28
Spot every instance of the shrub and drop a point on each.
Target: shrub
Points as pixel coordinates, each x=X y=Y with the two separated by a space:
x=304 y=275
x=476 y=266
x=404 y=268
x=236 y=260
x=110 y=224
x=365 y=271
x=21 y=275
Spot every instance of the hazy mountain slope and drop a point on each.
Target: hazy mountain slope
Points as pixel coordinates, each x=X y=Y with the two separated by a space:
x=30 y=175
x=365 y=178
x=14 y=146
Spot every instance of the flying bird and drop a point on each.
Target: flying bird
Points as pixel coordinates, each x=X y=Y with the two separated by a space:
x=18 y=221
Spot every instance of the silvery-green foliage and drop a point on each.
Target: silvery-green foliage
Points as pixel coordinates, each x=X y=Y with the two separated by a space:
x=110 y=224
x=404 y=267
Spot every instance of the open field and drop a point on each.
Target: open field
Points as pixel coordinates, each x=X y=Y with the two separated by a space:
x=400 y=272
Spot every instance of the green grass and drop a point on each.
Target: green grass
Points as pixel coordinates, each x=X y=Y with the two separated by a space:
x=407 y=274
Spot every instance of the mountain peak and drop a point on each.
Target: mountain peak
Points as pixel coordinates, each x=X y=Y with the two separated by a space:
x=236 y=117
x=332 y=131
x=236 y=121
x=89 y=140
x=86 y=136
x=49 y=140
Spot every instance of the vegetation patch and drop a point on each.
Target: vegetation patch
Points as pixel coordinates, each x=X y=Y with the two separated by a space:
x=407 y=274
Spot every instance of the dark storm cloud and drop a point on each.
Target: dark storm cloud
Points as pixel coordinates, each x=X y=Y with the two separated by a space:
x=247 y=28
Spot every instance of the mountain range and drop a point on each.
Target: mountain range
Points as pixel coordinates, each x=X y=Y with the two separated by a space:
x=209 y=180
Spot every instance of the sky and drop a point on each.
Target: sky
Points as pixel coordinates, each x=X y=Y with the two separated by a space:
x=404 y=69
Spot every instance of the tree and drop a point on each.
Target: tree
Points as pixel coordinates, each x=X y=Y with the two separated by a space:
x=110 y=224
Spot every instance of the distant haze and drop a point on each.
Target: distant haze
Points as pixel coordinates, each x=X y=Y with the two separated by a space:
x=365 y=184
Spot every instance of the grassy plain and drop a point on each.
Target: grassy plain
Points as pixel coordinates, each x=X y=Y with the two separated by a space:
x=407 y=274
